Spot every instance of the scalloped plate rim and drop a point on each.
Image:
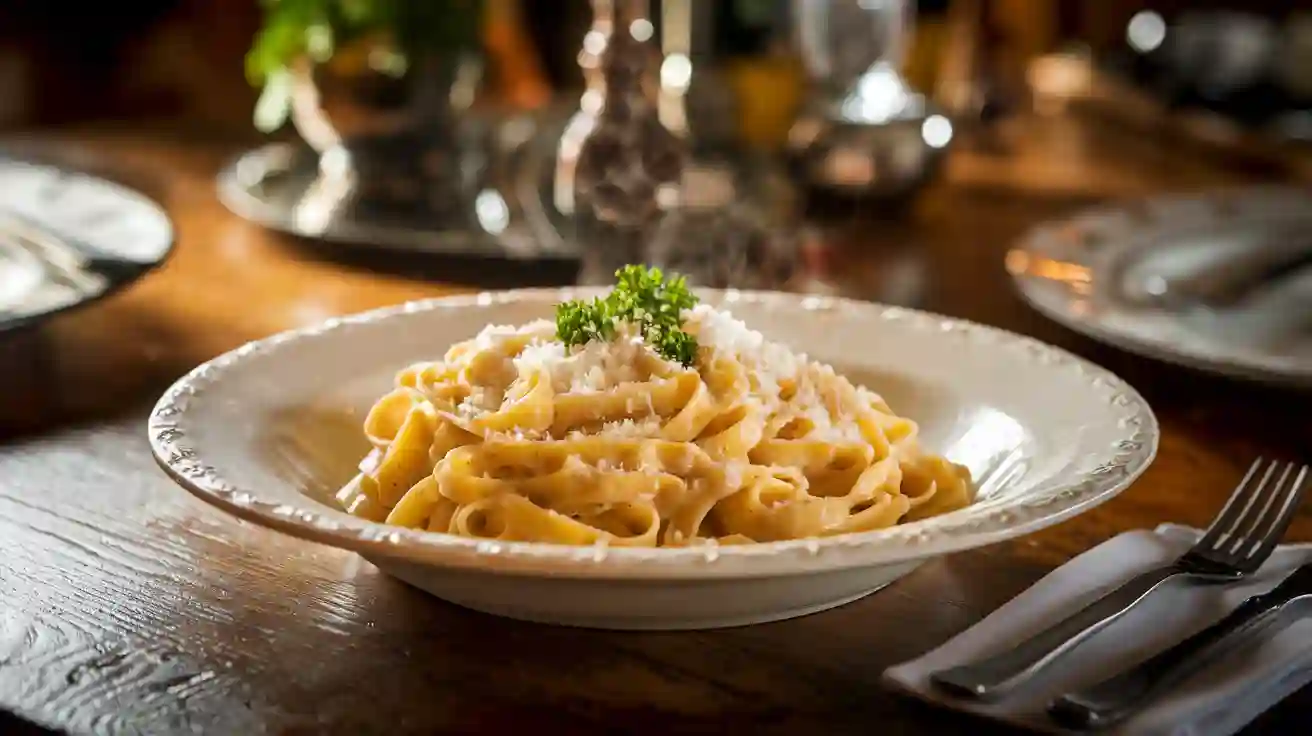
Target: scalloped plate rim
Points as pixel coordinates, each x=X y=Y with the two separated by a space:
x=317 y=522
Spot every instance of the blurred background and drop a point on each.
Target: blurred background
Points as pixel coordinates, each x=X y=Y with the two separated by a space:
x=904 y=151
x=184 y=58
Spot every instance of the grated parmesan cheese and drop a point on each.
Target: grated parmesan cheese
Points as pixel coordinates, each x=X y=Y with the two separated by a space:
x=540 y=355
x=597 y=367
x=593 y=367
x=629 y=429
x=770 y=362
x=493 y=335
x=624 y=429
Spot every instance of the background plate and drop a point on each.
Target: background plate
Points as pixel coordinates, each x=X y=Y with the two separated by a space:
x=1080 y=272
x=95 y=236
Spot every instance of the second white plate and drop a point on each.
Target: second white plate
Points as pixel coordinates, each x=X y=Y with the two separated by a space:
x=1081 y=272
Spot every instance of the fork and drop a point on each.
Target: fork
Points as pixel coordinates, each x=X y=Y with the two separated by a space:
x=1235 y=545
x=66 y=262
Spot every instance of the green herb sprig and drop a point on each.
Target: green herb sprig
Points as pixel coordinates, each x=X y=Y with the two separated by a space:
x=643 y=297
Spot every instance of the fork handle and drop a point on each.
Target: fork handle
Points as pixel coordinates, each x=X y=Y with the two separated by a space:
x=994 y=676
x=1118 y=697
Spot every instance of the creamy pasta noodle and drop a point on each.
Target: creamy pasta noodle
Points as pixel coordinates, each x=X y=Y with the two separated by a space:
x=514 y=435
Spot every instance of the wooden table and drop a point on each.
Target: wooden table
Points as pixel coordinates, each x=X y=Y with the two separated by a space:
x=126 y=605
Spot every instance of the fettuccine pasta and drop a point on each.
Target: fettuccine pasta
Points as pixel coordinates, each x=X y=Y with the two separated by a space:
x=514 y=436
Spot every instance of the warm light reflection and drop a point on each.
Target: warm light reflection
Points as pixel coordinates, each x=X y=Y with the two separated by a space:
x=386 y=60
x=676 y=72
x=594 y=43
x=991 y=447
x=1146 y=31
x=323 y=200
x=641 y=29
x=880 y=95
x=936 y=131
x=335 y=162
x=676 y=69
x=850 y=167
x=592 y=101
x=805 y=132
x=567 y=157
x=310 y=311
x=492 y=211
x=1056 y=79
x=668 y=195
x=1020 y=263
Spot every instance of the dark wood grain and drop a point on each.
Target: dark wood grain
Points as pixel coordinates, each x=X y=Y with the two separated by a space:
x=127 y=606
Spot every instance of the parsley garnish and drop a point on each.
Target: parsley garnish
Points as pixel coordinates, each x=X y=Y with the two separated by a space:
x=578 y=322
x=641 y=297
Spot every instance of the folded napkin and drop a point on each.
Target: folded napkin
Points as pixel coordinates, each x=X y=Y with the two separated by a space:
x=1221 y=700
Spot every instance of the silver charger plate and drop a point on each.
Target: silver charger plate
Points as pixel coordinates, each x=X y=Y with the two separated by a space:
x=1095 y=273
x=405 y=194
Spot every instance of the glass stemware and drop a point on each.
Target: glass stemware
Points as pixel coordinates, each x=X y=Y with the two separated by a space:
x=864 y=131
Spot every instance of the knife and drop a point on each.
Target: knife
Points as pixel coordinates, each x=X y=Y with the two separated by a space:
x=1113 y=700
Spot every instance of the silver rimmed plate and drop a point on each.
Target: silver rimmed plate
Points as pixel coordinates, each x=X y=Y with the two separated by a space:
x=1124 y=275
x=68 y=238
x=408 y=194
x=270 y=431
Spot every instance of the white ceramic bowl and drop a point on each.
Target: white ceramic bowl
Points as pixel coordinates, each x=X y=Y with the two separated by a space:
x=271 y=430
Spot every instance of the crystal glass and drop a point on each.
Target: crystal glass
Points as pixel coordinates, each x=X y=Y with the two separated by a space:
x=840 y=40
x=864 y=132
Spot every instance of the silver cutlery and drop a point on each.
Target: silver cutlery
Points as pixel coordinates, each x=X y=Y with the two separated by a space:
x=1230 y=281
x=1113 y=700
x=1235 y=545
x=64 y=261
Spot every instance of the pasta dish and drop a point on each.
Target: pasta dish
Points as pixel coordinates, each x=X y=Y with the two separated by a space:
x=641 y=419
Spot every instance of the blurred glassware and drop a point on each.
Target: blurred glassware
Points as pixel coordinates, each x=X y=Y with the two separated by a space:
x=626 y=181
x=1241 y=66
x=411 y=149
x=1295 y=64
x=864 y=132
x=970 y=85
x=840 y=40
x=281 y=186
x=1220 y=52
x=1231 y=85
x=351 y=76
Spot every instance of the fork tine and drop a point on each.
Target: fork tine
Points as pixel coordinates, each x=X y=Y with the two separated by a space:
x=1293 y=498
x=1250 y=530
x=1233 y=509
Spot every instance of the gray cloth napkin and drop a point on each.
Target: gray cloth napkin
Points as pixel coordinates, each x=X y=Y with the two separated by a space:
x=1218 y=701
